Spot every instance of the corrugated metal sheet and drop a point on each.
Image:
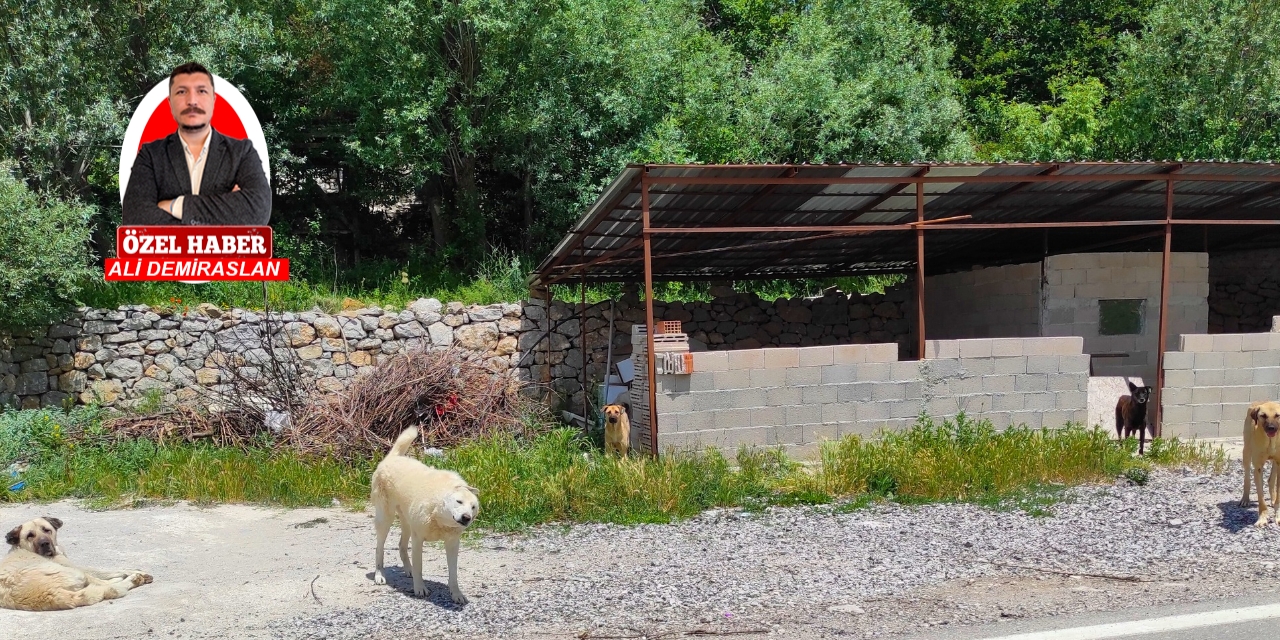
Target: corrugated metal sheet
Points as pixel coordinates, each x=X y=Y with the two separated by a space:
x=604 y=244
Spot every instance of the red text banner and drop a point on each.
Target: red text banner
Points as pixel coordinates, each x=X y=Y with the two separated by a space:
x=195 y=254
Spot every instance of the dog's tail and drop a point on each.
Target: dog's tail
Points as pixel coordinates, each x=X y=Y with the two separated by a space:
x=403 y=442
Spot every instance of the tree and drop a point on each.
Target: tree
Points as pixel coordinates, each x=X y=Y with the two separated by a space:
x=1201 y=81
x=44 y=253
x=1067 y=129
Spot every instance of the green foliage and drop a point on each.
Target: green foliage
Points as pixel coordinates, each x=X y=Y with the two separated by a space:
x=1201 y=81
x=1066 y=129
x=44 y=253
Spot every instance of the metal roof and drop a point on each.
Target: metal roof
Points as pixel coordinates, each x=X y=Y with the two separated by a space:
x=736 y=222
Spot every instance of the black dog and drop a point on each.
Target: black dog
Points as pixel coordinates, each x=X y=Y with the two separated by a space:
x=1131 y=414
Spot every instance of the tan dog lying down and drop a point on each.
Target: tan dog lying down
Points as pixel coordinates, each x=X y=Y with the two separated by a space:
x=432 y=504
x=37 y=576
x=1261 y=424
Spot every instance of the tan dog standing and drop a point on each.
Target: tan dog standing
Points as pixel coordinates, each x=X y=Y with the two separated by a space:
x=432 y=504
x=37 y=576
x=1261 y=424
x=617 y=430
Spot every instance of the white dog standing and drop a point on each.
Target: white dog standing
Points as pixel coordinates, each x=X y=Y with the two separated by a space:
x=433 y=504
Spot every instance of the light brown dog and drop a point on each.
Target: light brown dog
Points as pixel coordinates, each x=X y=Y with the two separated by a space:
x=37 y=576
x=1261 y=426
x=617 y=430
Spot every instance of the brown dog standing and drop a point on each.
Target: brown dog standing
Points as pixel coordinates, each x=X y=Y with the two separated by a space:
x=1261 y=424
x=617 y=430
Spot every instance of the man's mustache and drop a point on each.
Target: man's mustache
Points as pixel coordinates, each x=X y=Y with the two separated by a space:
x=192 y=110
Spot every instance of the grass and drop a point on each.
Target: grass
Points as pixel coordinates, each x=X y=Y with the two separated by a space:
x=560 y=477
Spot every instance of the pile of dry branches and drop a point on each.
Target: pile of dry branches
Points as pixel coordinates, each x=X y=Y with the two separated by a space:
x=448 y=395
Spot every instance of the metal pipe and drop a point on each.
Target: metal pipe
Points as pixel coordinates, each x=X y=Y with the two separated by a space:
x=546 y=351
x=957 y=179
x=1157 y=423
x=582 y=329
x=650 y=362
x=919 y=271
x=976 y=226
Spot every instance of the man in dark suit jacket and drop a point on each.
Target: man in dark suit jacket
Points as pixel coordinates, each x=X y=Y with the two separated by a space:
x=196 y=176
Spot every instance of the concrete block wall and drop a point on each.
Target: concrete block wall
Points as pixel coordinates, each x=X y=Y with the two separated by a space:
x=1076 y=282
x=983 y=303
x=798 y=397
x=1211 y=380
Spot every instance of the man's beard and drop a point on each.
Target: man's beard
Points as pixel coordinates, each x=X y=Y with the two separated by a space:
x=187 y=128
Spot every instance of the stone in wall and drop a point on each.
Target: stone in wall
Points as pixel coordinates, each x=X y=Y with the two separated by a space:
x=1244 y=291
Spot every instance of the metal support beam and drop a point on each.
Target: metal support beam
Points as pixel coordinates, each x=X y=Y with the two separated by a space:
x=1157 y=423
x=920 y=271
x=582 y=330
x=650 y=363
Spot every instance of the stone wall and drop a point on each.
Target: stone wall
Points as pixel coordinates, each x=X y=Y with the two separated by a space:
x=995 y=302
x=1245 y=291
x=798 y=397
x=1211 y=380
x=117 y=357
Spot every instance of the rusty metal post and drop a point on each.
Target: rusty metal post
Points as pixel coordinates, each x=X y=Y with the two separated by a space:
x=920 y=271
x=546 y=350
x=1158 y=422
x=582 y=329
x=650 y=362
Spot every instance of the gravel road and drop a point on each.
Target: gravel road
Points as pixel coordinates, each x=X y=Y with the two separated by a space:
x=248 y=572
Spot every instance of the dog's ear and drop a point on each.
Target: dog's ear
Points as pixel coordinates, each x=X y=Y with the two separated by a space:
x=1253 y=414
x=54 y=522
x=12 y=536
x=1132 y=387
x=474 y=491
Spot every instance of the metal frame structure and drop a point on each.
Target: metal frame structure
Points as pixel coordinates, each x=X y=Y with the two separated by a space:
x=711 y=221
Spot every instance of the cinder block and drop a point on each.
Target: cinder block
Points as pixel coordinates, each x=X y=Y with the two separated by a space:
x=904 y=371
x=848 y=354
x=1071 y=400
x=1206 y=395
x=1056 y=419
x=1266 y=375
x=746 y=359
x=767 y=378
x=1253 y=342
x=872 y=372
x=1042 y=364
x=819 y=394
x=855 y=392
x=1058 y=346
x=980 y=366
x=1044 y=401
x=804 y=376
x=735 y=418
x=1265 y=358
x=1177 y=396
x=1074 y=364
x=1001 y=420
x=1237 y=394
x=998 y=384
x=820 y=432
x=782 y=396
x=817 y=356
x=1008 y=401
x=941 y=349
x=710 y=360
x=1206 y=412
x=1031 y=382
x=1242 y=377
x=979 y=348
x=976 y=404
x=1210 y=377
x=938 y=368
x=1032 y=419
x=889 y=391
x=692 y=421
x=1194 y=342
x=676 y=403
x=768 y=416
x=1209 y=360
x=873 y=411
x=1005 y=347
x=701 y=380
x=1227 y=342
x=840 y=412
x=839 y=373
x=1003 y=366
x=1067 y=382
x=1178 y=360
x=781 y=358
x=808 y=452
x=749 y=437
x=735 y=379
x=790 y=434
x=887 y=352
x=904 y=410
x=942 y=407
x=804 y=414
x=1235 y=412
x=1182 y=378
x=966 y=385
x=1178 y=413
x=1263 y=392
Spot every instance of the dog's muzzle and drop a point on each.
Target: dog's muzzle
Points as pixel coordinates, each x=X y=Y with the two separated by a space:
x=46 y=549
x=464 y=520
x=1271 y=429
